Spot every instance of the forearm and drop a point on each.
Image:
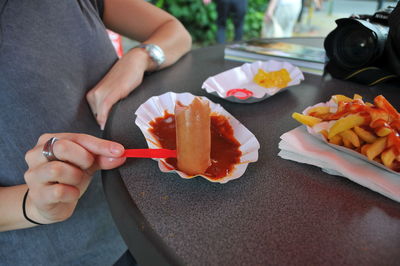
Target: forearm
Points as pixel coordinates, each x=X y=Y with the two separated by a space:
x=271 y=8
x=141 y=21
x=12 y=217
x=173 y=38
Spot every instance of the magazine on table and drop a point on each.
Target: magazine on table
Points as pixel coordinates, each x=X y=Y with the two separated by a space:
x=308 y=58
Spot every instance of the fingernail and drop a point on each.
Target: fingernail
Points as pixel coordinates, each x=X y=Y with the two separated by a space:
x=112 y=159
x=102 y=127
x=116 y=149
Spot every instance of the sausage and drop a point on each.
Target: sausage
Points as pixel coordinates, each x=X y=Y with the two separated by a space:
x=193 y=136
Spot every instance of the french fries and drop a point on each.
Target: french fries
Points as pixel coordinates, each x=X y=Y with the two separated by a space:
x=306 y=119
x=351 y=137
x=376 y=148
x=365 y=135
x=388 y=156
x=346 y=123
x=370 y=129
x=341 y=98
x=319 y=110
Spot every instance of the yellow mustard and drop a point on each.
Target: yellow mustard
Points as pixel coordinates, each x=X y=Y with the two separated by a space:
x=274 y=79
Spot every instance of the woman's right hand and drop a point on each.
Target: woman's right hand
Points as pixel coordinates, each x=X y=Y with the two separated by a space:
x=56 y=186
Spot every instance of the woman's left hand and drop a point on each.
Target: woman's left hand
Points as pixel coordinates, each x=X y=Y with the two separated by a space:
x=144 y=22
x=119 y=82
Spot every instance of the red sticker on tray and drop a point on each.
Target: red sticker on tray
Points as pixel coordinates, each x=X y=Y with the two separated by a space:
x=241 y=94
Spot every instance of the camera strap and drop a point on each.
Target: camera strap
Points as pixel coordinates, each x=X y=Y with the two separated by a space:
x=369 y=76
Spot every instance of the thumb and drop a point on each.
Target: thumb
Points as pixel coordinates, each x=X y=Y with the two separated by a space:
x=106 y=163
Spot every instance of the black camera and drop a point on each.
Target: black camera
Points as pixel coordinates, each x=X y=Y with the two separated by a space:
x=365 y=47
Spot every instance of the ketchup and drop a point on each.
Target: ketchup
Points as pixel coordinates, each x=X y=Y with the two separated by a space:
x=225 y=153
x=380 y=115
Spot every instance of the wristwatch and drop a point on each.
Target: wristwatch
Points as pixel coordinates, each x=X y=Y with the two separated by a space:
x=155 y=52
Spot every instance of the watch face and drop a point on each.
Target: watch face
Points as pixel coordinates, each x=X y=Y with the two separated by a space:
x=156 y=53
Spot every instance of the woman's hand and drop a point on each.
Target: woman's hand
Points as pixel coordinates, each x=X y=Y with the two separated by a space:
x=144 y=22
x=56 y=186
x=122 y=79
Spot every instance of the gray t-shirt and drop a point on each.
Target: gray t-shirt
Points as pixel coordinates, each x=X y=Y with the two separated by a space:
x=51 y=53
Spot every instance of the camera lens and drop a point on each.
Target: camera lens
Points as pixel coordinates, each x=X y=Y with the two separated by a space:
x=354 y=46
x=355 y=43
x=358 y=46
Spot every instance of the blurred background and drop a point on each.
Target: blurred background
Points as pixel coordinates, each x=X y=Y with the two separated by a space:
x=316 y=19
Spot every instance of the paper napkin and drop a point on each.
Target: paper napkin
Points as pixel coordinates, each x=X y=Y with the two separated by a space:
x=298 y=145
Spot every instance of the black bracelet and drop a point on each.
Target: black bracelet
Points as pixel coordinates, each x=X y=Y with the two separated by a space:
x=24 y=211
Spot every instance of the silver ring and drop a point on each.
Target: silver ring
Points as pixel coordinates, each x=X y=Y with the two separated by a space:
x=48 y=150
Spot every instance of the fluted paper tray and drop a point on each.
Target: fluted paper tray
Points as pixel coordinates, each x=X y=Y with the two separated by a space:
x=155 y=107
x=242 y=78
x=326 y=125
x=299 y=145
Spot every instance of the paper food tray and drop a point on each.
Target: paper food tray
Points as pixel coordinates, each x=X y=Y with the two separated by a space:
x=157 y=105
x=326 y=125
x=237 y=85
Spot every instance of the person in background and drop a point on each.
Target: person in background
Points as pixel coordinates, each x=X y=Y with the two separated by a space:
x=280 y=18
x=225 y=9
x=60 y=73
x=380 y=5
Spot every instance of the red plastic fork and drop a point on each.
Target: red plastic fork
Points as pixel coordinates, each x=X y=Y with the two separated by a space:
x=150 y=153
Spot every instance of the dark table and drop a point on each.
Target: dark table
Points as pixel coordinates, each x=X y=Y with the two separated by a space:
x=279 y=212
